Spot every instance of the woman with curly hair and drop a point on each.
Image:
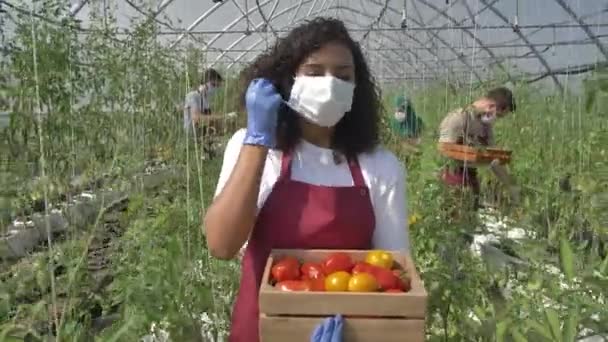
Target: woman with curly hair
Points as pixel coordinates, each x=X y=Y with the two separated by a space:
x=308 y=171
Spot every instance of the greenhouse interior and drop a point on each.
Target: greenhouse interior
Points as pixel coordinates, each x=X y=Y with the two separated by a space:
x=113 y=226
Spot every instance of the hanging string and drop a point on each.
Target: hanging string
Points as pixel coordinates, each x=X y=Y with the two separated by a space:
x=38 y=112
x=404 y=15
x=554 y=41
x=248 y=29
x=516 y=18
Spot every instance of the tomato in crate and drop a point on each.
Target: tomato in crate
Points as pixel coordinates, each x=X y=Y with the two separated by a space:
x=379 y=293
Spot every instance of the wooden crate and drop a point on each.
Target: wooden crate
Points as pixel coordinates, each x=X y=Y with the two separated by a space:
x=474 y=155
x=369 y=316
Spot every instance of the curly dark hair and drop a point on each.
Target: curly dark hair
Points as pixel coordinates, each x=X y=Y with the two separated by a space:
x=357 y=132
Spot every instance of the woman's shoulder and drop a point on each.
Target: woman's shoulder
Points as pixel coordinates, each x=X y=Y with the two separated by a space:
x=380 y=164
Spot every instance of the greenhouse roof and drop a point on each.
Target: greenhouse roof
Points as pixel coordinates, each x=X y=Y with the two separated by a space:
x=404 y=39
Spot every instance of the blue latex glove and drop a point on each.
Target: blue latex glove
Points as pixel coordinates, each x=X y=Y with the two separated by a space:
x=330 y=330
x=263 y=102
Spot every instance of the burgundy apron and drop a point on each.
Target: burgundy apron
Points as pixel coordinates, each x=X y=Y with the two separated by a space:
x=298 y=215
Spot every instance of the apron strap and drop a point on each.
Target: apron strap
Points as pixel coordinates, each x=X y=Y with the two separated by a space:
x=355 y=171
x=286 y=158
x=353 y=165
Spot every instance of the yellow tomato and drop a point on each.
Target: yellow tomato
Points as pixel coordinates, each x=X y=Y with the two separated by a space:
x=380 y=258
x=337 y=281
x=362 y=282
x=413 y=219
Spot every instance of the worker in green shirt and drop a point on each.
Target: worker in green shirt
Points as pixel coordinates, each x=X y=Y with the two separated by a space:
x=405 y=122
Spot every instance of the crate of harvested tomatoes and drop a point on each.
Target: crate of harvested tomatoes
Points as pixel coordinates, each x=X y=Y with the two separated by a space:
x=379 y=293
x=473 y=154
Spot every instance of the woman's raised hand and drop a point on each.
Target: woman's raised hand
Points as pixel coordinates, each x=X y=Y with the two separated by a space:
x=263 y=102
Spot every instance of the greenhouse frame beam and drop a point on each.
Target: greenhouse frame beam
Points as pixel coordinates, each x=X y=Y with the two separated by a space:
x=246 y=17
x=399 y=29
x=469 y=33
x=161 y=7
x=197 y=22
x=237 y=60
x=258 y=42
x=494 y=46
x=384 y=35
x=77 y=7
x=541 y=59
x=260 y=24
x=244 y=12
x=284 y=11
x=584 y=27
x=434 y=34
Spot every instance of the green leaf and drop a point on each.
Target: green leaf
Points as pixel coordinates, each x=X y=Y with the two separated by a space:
x=540 y=329
x=518 y=336
x=566 y=258
x=590 y=100
x=501 y=329
x=570 y=327
x=552 y=319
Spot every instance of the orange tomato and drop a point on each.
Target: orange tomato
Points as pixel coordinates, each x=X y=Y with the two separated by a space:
x=362 y=282
x=337 y=281
x=380 y=258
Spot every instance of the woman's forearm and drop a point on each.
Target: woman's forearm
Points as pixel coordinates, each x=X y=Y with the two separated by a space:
x=231 y=216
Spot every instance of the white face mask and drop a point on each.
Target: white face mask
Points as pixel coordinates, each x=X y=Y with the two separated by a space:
x=488 y=119
x=400 y=116
x=322 y=100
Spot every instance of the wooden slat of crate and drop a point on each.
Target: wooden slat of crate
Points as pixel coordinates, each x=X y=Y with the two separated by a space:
x=274 y=302
x=473 y=155
x=299 y=329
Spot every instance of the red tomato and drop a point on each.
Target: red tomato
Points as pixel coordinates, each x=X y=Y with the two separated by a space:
x=286 y=269
x=317 y=284
x=385 y=277
x=311 y=270
x=361 y=267
x=290 y=260
x=294 y=285
x=337 y=262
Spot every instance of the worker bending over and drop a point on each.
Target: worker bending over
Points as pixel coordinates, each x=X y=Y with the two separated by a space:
x=473 y=126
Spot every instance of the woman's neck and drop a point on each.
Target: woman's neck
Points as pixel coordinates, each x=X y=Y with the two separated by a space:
x=316 y=135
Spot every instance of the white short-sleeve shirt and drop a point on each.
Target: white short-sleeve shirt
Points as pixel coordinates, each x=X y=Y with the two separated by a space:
x=383 y=173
